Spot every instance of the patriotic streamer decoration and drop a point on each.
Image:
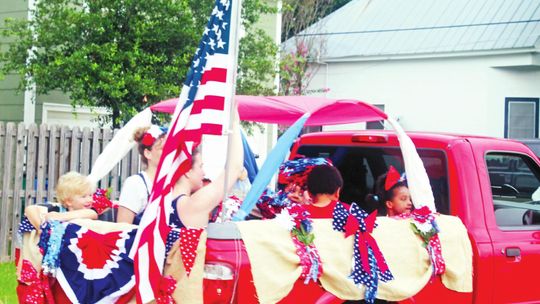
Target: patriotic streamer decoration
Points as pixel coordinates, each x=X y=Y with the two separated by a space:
x=189 y=241
x=296 y=219
x=369 y=264
x=226 y=210
x=425 y=226
x=295 y=172
x=50 y=244
x=302 y=235
x=270 y=204
x=95 y=267
x=34 y=287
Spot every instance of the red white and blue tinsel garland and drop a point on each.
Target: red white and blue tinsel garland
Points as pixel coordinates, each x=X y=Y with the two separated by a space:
x=369 y=265
x=50 y=244
x=296 y=171
x=101 y=201
x=271 y=203
x=296 y=219
x=425 y=226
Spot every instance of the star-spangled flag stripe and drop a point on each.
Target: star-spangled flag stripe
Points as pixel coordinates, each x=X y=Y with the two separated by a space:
x=209 y=102
x=207 y=128
x=215 y=74
x=202 y=109
x=194 y=135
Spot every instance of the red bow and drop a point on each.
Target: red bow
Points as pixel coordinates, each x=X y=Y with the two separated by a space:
x=148 y=139
x=365 y=239
x=167 y=285
x=392 y=178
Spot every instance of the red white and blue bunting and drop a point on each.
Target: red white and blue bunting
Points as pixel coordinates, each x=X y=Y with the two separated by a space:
x=93 y=267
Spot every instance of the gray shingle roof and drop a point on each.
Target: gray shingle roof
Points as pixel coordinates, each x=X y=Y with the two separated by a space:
x=416 y=27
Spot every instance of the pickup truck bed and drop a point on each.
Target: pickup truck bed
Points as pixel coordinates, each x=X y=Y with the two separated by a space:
x=478 y=179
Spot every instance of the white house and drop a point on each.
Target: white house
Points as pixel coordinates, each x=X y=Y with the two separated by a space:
x=460 y=66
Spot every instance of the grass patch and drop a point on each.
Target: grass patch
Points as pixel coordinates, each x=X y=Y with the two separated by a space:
x=8 y=283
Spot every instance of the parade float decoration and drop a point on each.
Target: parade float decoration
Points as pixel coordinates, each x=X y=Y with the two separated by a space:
x=369 y=264
x=355 y=253
x=335 y=278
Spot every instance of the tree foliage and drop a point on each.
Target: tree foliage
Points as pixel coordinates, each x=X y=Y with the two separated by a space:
x=296 y=70
x=298 y=15
x=123 y=54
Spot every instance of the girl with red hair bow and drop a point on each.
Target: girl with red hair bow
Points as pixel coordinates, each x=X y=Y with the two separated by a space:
x=392 y=192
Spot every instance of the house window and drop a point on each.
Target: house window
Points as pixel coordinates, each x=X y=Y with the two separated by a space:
x=521 y=118
x=67 y=115
x=376 y=125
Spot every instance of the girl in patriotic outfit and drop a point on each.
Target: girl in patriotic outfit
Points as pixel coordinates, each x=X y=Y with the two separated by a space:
x=391 y=190
x=137 y=188
x=190 y=215
x=195 y=202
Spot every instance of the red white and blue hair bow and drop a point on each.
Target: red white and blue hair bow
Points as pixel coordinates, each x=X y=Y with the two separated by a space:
x=152 y=134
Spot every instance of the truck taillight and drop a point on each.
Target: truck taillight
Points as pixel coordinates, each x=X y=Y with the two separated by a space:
x=218 y=283
x=218 y=272
x=369 y=138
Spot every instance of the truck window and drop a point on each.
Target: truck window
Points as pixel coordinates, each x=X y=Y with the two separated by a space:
x=360 y=167
x=514 y=179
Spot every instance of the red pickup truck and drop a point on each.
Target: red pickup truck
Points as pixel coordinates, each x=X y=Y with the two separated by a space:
x=487 y=182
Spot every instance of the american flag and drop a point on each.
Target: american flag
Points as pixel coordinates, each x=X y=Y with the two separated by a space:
x=203 y=108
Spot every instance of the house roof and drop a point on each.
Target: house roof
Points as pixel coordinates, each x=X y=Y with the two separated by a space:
x=385 y=28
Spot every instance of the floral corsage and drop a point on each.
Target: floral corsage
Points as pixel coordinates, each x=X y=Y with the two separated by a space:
x=425 y=226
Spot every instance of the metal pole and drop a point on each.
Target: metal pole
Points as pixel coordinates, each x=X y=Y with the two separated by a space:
x=235 y=19
x=30 y=91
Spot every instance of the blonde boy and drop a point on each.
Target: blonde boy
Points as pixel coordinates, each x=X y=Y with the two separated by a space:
x=74 y=193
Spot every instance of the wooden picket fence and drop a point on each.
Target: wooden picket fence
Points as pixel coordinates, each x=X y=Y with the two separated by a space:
x=33 y=157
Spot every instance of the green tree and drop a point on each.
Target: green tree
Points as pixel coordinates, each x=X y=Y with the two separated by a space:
x=123 y=54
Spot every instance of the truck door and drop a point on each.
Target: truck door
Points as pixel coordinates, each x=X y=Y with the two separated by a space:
x=513 y=220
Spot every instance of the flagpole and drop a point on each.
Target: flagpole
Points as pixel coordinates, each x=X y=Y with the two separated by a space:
x=237 y=11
